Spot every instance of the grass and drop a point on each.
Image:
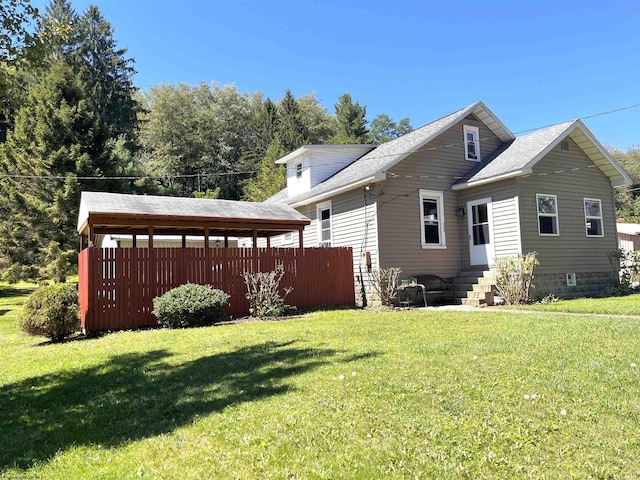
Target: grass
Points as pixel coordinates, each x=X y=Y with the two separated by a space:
x=627 y=305
x=435 y=394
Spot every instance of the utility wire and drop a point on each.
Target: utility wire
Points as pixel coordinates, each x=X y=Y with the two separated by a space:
x=249 y=172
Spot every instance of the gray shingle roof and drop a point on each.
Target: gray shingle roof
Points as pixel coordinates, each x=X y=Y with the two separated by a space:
x=518 y=156
x=101 y=202
x=375 y=163
x=514 y=156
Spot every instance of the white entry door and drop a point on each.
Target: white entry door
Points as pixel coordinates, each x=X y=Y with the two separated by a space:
x=479 y=214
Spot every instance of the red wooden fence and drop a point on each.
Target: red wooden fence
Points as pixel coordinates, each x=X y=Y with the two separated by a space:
x=117 y=285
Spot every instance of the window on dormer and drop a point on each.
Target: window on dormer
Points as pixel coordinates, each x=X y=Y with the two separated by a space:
x=471 y=143
x=299 y=170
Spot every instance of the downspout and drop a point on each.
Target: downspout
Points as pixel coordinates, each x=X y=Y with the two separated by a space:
x=363 y=245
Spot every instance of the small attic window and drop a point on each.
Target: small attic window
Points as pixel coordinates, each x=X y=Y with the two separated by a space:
x=471 y=143
x=564 y=145
x=299 y=170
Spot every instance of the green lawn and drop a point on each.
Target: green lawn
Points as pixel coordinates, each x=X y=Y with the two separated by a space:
x=337 y=394
x=627 y=305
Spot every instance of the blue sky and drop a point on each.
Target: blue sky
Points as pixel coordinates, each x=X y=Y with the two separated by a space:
x=533 y=63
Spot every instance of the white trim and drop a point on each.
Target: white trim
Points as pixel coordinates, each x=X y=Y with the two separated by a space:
x=626 y=180
x=475 y=132
x=518 y=223
x=438 y=196
x=491 y=251
x=332 y=193
x=319 y=208
x=483 y=181
x=556 y=216
x=584 y=207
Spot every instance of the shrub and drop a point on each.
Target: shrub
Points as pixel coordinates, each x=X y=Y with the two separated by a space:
x=190 y=305
x=385 y=284
x=263 y=293
x=52 y=311
x=626 y=267
x=513 y=276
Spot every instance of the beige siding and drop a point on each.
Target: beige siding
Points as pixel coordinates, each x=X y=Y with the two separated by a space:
x=572 y=177
x=504 y=201
x=442 y=161
x=353 y=225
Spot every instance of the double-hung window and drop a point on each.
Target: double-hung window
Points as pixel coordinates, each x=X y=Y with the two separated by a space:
x=323 y=214
x=593 y=217
x=299 y=170
x=432 y=219
x=547 y=214
x=471 y=143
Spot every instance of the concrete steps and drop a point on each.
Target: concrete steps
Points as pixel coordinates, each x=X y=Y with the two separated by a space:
x=474 y=288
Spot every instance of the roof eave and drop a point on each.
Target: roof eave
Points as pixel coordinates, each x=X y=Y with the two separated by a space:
x=616 y=182
x=484 y=181
x=379 y=176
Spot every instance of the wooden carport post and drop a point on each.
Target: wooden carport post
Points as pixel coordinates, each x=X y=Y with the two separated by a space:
x=255 y=251
x=207 y=258
x=152 y=265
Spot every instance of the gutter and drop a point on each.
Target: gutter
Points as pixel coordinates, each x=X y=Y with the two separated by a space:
x=323 y=196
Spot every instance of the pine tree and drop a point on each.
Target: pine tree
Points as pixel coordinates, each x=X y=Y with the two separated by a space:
x=352 y=124
x=271 y=178
x=51 y=144
x=292 y=131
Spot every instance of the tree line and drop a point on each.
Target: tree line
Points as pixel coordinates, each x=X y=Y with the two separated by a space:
x=72 y=119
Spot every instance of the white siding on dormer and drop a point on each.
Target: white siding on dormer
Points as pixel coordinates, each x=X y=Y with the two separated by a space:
x=297 y=185
x=323 y=166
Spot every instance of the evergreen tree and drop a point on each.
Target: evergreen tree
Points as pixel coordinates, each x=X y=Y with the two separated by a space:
x=271 y=178
x=292 y=131
x=352 y=124
x=51 y=144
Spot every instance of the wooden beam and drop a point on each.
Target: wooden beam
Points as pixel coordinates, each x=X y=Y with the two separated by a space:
x=152 y=265
x=207 y=256
x=255 y=252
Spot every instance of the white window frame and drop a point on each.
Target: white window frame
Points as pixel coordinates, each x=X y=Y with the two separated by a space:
x=549 y=215
x=319 y=208
x=297 y=167
x=590 y=217
x=439 y=198
x=475 y=131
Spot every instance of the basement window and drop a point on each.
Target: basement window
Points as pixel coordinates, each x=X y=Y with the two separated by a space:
x=471 y=143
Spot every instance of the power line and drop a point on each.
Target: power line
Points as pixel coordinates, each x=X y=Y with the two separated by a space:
x=249 y=172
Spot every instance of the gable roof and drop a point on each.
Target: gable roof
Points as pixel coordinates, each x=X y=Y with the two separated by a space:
x=518 y=157
x=122 y=210
x=373 y=166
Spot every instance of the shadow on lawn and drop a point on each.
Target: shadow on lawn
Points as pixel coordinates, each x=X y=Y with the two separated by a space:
x=136 y=396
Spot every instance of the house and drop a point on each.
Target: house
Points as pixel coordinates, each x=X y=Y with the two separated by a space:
x=628 y=236
x=449 y=198
x=115 y=240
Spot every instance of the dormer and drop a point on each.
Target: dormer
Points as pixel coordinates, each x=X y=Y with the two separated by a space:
x=310 y=165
